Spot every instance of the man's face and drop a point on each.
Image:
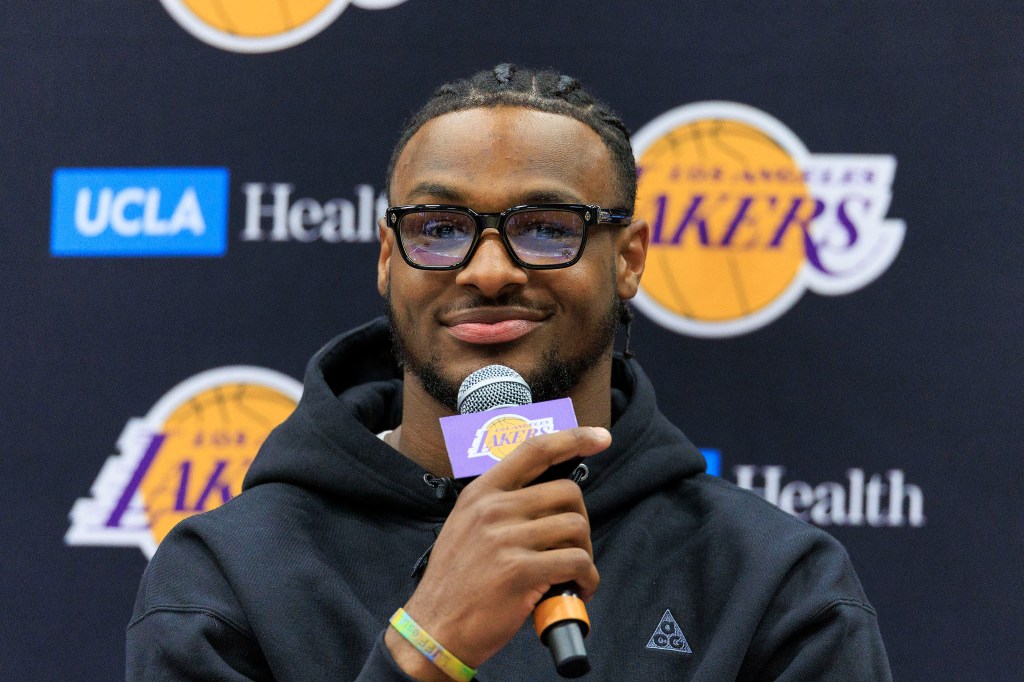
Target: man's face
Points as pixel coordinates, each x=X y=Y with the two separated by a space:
x=552 y=326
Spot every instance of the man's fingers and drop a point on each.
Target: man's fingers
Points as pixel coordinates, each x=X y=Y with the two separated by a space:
x=555 y=532
x=569 y=565
x=537 y=454
x=548 y=498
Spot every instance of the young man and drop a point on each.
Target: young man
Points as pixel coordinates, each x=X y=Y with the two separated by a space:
x=297 y=577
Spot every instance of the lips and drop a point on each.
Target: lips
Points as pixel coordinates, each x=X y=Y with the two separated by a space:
x=498 y=332
x=493 y=325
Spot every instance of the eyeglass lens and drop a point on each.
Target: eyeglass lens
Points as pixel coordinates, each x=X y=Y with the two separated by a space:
x=538 y=237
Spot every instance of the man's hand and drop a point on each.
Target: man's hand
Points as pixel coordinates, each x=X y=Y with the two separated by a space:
x=503 y=546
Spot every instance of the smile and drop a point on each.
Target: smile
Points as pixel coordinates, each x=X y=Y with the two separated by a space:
x=498 y=332
x=493 y=325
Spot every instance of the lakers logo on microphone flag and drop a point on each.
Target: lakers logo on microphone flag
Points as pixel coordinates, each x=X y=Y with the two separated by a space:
x=479 y=440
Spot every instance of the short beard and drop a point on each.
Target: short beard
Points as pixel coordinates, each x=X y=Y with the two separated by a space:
x=555 y=378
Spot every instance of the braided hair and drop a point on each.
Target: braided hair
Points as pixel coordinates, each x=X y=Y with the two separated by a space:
x=549 y=91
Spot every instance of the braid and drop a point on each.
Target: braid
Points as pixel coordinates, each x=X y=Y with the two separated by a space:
x=503 y=74
x=547 y=90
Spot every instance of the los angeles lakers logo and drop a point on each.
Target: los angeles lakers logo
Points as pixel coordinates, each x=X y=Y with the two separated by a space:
x=261 y=25
x=188 y=455
x=744 y=219
x=500 y=435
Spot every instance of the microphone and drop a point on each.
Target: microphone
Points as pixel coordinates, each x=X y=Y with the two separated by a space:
x=492 y=387
x=560 y=617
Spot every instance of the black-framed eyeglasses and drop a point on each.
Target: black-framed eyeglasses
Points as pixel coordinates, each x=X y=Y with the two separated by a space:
x=537 y=237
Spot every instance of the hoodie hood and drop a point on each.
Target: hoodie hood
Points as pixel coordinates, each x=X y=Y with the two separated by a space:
x=353 y=390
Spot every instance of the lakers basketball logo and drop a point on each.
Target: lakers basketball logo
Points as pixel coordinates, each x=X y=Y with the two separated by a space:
x=189 y=454
x=744 y=219
x=500 y=435
x=261 y=25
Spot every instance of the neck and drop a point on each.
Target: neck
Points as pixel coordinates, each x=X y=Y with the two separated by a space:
x=420 y=439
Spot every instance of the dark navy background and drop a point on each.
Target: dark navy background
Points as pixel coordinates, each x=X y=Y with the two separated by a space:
x=920 y=371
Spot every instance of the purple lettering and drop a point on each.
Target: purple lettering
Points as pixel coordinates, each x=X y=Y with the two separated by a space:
x=847 y=222
x=659 y=219
x=691 y=217
x=140 y=472
x=739 y=219
x=215 y=483
x=180 y=504
x=852 y=175
x=792 y=218
x=506 y=438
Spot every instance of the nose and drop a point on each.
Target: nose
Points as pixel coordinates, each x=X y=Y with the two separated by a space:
x=491 y=270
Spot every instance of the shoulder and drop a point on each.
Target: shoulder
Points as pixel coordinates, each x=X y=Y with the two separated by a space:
x=745 y=515
x=198 y=563
x=188 y=619
x=806 y=570
x=797 y=578
x=737 y=528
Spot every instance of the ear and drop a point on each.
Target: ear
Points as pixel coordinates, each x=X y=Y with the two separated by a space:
x=631 y=255
x=387 y=249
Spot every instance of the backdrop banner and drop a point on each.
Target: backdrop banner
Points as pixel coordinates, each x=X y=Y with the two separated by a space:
x=831 y=308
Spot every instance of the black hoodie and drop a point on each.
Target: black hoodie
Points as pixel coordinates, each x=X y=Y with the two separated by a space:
x=296 y=578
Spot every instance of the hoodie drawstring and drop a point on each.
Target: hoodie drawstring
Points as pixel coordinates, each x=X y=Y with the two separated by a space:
x=443 y=487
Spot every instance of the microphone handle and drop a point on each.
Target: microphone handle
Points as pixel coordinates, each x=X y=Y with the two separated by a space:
x=561 y=621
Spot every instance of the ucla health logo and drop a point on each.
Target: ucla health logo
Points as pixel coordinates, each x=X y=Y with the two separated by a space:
x=189 y=454
x=261 y=25
x=744 y=219
x=861 y=499
x=139 y=212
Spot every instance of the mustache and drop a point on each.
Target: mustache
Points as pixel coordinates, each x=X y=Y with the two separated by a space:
x=512 y=300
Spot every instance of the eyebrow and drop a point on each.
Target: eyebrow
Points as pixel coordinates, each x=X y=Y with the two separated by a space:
x=446 y=193
x=443 y=192
x=548 y=197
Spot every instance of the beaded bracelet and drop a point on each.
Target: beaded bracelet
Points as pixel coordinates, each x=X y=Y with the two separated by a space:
x=430 y=647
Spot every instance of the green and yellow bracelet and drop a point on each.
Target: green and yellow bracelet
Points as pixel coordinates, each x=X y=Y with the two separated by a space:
x=430 y=647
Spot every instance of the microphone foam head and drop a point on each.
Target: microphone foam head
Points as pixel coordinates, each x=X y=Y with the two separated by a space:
x=492 y=387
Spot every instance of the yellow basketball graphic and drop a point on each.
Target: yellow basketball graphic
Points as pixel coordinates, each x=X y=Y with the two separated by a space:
x=256 y=17
x=744 y=219
x=726 y=203
x=261 y=25
x=189 y=454
x=504 y=434
x=208 y=444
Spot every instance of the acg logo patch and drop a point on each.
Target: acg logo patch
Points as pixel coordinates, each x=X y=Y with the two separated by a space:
x=744 y=219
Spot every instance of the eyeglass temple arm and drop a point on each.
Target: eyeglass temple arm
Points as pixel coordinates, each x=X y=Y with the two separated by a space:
x=614 y=216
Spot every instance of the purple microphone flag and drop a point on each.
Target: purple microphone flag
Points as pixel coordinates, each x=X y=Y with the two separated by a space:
x=479 y=440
